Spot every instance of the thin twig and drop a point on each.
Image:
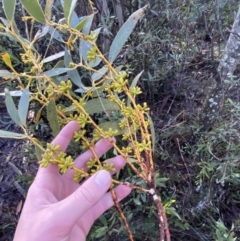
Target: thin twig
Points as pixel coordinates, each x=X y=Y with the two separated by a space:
x=117 y=206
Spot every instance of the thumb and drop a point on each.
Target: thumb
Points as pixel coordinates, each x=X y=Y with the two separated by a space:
x=85 y=197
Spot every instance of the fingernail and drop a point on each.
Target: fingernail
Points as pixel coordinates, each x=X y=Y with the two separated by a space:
x=103 y=178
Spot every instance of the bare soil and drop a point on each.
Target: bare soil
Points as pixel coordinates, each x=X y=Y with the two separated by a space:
x=16 y=173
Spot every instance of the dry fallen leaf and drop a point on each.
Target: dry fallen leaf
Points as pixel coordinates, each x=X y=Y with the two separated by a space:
x=19 y=207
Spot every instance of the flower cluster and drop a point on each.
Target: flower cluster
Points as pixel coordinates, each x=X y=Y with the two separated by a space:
x=53 y=155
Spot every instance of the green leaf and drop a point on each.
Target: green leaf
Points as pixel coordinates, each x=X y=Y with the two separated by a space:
x=11 y=108
x=75 y=19
x=114 y=125
x=9 y=134
x=153 y=134
x=52 y=117
x=69 y=6
x=34 y=9
x=99 y=105
x=15 y=93
x=136 y=79
x=99 y=74
x=124 y=33
x=9 y=9
x=172 y=211
x=18 y=39
x=94 y=106
x=23 y=106
x=57 y=71
x=87 y=26
x=81 y=24
x=6 y=73
x=73 y=74
x=84 y=46
x=56 y=34
x=96 y=91
x=53 y=57
x=41 y=32
x=160 y=182
x=5 y=22
x=15 y=29
x=59 y=64
x=98 y=59
x=101 y=231
x=137 y=202
x=133 y=84
x=38 y=151
x=103 y=220
x=48 y=9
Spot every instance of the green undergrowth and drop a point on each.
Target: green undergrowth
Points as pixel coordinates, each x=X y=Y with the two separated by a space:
x=177 y=44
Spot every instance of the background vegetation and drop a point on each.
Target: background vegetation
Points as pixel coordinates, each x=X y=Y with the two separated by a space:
x=178 y=44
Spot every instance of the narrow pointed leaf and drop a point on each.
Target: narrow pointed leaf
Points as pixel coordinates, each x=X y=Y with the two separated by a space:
x=133 y=84
x=11 y=108
x=94 y=106
x=114 y=125
x=23 y=106
x=99 y=105
x=56 y=34
x=5 y=22
x=15 y=93
x=15 y=28
x=6 y=73
x=42 y=32
x=99 y=74
x=48 y=9
x=69 y=6
x=38 y=151
x=59 y=64
x=53 y=57
x=9 y=134
x=81 y=24
x=7 y=60
x=124 y=33
x=74 y=19
x=9 y=9
x=153 y=134
x=97 y=91
x=73 y=74
x=98 y=60
x=52 y=117
x=87 y=26
x=57 y=71
x=136 y=79
x=84 y=46
x=34 y=9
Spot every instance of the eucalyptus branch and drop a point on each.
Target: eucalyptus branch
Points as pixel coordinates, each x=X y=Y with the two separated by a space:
x=133 y=123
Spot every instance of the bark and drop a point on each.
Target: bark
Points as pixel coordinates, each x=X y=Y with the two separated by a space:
x=231 y=58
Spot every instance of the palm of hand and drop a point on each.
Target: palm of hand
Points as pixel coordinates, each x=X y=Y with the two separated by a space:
x=53 y=188
x=57 y=208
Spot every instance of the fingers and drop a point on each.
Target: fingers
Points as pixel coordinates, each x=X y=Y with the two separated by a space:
x=100 y=148
x=84 y=198
x=62 y=139
x=118 y=163
x=107 y=202
x=65 y=135
x=102 y=206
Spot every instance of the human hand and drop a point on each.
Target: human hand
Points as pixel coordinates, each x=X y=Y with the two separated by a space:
x=57 y=208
